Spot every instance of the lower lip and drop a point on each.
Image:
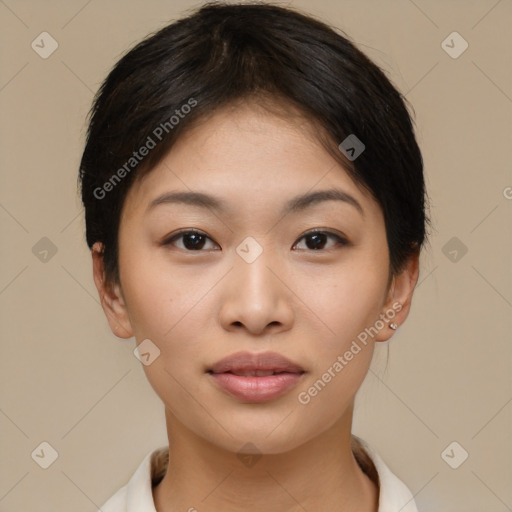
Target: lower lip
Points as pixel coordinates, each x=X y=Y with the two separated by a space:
x=256 y=389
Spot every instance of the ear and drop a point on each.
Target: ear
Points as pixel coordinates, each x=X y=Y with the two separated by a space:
x=112 y=300
x=399 y=298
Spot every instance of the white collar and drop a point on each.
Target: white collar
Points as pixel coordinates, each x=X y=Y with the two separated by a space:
x=137 y=494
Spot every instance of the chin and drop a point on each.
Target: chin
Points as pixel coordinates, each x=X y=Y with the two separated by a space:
x=263 y=437
x=258 y=444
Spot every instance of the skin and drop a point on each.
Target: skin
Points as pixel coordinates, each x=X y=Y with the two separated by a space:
x=308 y=305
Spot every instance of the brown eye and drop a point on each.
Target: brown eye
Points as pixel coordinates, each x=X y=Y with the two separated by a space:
x=317 y=240
x=192 y=240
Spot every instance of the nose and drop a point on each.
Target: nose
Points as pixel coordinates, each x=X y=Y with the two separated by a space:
x=257 y=297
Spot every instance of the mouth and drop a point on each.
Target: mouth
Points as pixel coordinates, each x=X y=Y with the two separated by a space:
x=254 y=372
x=256 y=377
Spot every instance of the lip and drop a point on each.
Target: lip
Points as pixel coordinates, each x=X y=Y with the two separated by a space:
x=245 y=376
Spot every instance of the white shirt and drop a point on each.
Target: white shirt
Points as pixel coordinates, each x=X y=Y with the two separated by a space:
x=137 y=494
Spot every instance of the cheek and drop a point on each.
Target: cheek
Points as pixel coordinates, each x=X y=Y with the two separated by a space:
x=168 y=309
x=159 y=298
x=343 y=348
x=345 y=302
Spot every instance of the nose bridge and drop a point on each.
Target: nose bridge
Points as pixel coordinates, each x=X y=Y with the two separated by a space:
x=256 y=281
x=256 y=296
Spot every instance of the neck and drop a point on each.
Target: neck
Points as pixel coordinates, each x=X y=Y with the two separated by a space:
x=321 y=474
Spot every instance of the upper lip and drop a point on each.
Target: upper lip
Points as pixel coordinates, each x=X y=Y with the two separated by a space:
x=247 y=361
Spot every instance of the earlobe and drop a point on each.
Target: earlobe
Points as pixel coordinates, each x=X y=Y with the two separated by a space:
x=111 y=298
x=398 y=303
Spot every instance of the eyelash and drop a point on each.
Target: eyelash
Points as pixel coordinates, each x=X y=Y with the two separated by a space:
x=340 y=240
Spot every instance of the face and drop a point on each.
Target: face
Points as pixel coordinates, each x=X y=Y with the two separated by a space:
x=247 y=273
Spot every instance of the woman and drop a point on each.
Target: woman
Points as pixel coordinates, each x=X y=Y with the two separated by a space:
x=255 y=208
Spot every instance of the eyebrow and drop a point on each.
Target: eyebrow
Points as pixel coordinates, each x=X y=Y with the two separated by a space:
x=294 y=205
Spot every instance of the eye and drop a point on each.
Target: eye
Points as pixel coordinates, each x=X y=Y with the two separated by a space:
x=193 y=240
x=316 y=240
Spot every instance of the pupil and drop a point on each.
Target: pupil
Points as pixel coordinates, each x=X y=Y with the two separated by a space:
x=196 y=241
x=319 y=241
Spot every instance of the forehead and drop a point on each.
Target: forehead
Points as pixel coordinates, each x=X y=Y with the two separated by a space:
x=252 y=158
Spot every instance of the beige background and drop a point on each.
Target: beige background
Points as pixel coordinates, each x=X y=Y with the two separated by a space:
x=66 y=380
